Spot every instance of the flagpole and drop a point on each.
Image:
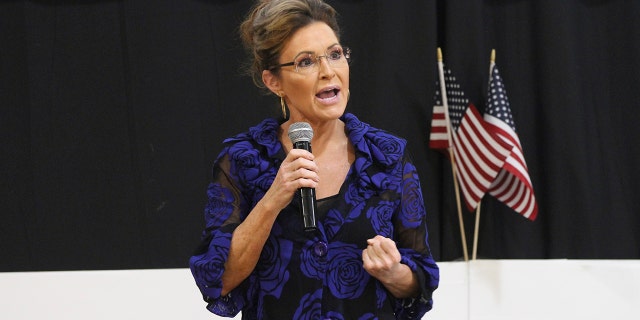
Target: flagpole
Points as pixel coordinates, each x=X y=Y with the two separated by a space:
x=443 y=93
x=477 y=226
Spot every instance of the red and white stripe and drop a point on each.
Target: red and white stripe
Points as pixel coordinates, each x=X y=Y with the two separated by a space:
x=513 y=186
x=439 y=137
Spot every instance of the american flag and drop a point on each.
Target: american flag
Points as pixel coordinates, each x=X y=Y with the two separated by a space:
x=512 y=186
x=478 y=154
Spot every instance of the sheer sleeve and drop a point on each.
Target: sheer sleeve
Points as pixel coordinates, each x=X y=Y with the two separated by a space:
x=224 y=210
x=411 y=237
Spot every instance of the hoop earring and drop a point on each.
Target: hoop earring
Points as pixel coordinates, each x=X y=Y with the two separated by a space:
x=284 y=107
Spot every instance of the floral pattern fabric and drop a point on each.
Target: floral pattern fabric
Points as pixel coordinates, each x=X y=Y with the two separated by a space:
x=317 y=274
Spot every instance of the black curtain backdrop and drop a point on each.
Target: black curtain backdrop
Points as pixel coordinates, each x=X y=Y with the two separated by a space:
x=111 y=113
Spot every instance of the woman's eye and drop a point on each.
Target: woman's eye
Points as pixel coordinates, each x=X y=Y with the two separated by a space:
x=335 y=54
x=305 y=62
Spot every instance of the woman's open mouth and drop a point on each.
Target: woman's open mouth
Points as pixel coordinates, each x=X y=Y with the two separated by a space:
x=328 y=95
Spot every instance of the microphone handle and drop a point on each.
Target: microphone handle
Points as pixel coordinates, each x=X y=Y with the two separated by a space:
x=308 y=205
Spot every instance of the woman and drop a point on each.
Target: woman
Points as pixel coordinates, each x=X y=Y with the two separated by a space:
x=368 y=258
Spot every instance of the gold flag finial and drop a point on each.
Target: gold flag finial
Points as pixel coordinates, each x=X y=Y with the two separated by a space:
x=493 y=55
x=439 y=55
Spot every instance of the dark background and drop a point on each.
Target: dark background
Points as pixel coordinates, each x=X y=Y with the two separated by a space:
x=111 y=113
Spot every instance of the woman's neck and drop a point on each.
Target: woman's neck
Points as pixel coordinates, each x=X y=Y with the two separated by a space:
x=327 y=136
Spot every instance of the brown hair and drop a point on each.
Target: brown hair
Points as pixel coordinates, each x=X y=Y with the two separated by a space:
x=270 y=23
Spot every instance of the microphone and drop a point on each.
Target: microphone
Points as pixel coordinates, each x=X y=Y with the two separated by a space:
x=300 y=134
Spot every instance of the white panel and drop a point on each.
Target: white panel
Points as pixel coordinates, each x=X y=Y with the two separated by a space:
x=477 y=290
x=451 y=299
x=97 y=295
x=554 y=289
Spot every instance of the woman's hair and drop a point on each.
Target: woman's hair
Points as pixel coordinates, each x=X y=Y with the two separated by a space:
x=271 y=23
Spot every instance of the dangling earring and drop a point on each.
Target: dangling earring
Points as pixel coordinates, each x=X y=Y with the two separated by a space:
x=284 y=107
x=348 y=94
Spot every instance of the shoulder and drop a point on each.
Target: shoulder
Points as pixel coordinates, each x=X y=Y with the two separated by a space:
x=263 y=136
x=378 y=144
x=251 y=158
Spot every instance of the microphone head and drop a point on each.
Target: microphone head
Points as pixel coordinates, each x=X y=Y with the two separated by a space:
x=300 y=131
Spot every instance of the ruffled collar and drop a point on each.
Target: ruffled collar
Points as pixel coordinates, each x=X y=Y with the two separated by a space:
x=374 y=144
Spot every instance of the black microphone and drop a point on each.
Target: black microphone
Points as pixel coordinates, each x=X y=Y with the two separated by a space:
x=300 y=134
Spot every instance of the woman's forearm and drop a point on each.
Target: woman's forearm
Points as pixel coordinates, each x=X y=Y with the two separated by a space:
x=246 y=246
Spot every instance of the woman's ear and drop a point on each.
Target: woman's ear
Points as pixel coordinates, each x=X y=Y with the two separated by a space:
x=271 y=82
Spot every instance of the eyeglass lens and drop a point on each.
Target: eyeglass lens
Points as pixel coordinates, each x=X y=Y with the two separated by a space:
x=308 y=62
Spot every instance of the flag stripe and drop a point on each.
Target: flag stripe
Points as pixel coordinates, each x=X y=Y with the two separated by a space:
x=469 y=186
x=502 y=129
x=468 y=151
x=438 y=138
x=491 y=147
x=507 y=134
x=515 y=163
x=502 y=185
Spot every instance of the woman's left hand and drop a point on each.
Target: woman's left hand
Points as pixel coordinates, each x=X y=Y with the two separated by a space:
x=381 y=259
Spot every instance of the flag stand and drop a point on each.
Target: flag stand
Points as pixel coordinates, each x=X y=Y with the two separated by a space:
x=443 y=92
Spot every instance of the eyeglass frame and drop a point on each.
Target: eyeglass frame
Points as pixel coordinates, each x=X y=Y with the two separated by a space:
x=346 y=53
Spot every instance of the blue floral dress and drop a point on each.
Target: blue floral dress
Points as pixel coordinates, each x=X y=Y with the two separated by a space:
x=317 y=274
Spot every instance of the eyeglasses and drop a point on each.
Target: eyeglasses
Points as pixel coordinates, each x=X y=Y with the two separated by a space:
x=308 y=62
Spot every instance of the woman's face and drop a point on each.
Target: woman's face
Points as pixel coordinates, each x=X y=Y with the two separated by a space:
x=319 y=90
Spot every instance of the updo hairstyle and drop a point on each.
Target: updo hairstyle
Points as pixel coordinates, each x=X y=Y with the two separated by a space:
x=269 y=25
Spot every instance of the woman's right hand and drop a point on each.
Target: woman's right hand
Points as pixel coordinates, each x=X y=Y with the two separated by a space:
x=296 y=171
